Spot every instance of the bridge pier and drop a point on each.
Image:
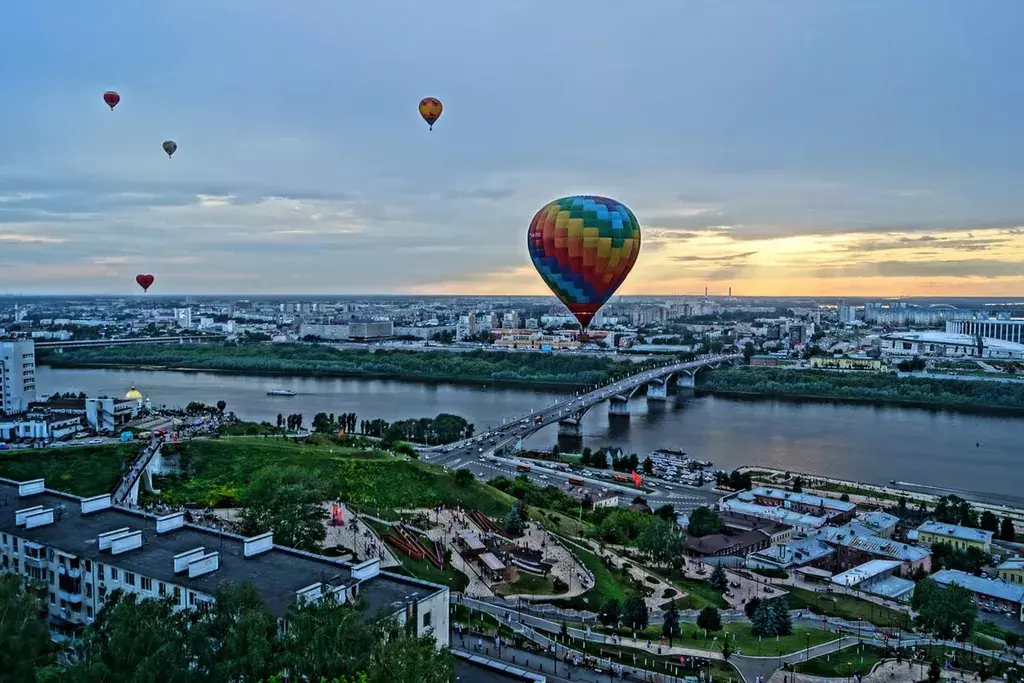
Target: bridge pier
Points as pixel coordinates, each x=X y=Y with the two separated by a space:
x=684 y=380
x=657 y=390
x=618 y=406
x=570 y=427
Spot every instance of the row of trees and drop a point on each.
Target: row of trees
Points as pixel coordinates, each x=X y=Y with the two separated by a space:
x=235 y=639
x=329 y=423
x=444 y=428
x=955 y=510
x=783 y=382
x=735 y=480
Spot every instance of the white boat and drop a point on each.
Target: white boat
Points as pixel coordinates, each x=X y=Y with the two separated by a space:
x=280 y=392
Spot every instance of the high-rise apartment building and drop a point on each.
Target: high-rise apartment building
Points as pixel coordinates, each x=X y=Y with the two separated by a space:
x=17 y=375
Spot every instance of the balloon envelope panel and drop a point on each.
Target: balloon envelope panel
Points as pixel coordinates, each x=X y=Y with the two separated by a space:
x=584 y=247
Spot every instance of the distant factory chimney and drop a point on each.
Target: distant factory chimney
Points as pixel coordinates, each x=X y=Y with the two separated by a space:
x=730 y=292
x=705 y=290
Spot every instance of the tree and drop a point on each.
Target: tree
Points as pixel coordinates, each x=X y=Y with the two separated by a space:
x=221 y=405
x=24 y=637
x=726 y=648
x=280 y=420
x=514 y=521
x=287 y=501
x=648 y=466
x=718 y=580
x=661 y=540
x=750 y=608
x=327 y=639
x=234 y=641
x=1006 y=530
x=944 y=611
x=667 y=512
x=748 y=351
x=709 y=619
x=610 y=613
x=771 y=618
x=131 y=635
x=670 y=623
x=634 y=613
x=988 y=521
x=705 y=521
x=934 y=672
x=405 y=659
x=463 y=477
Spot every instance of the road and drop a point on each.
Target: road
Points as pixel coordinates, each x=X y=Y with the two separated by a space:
x=478 y=454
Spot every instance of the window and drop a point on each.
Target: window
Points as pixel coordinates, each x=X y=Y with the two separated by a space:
x=88 y=590
x=163 y=589
x=53 y=598
x=113 y=573
x=88 y=611
x=88 y=565
x=129 y=578
x=146 y=583
x=99 y=571
x=177 y=595
x=51 y=577
x=4 y=536
x=15 y=542
x=426 y=620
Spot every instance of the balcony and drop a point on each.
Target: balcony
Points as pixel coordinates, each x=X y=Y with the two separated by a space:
x=37 y=562
x=71 y=598
x=71 y=573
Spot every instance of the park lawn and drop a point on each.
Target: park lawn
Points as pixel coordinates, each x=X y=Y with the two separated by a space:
x=215 y=471
x=739 y=636
x=698 y=593
x=529 y=584
x=845 y=607
x=79 y=470
x=422 y=569
x=721 y=672
x=608 y=585
x=842 y=664
x=559 y=523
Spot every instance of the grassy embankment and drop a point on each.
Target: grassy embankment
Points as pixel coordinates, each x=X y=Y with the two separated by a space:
x=846 y=607
x=867 y=388
x=525 y=369
x=80 y=470
x=843 y=664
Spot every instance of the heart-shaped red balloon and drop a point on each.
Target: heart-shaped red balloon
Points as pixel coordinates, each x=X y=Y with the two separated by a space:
x=145 y=281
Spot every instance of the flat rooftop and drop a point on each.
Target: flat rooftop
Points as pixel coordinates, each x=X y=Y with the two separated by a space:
x=277 y=573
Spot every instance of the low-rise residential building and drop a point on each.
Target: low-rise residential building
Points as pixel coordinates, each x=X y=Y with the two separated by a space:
x=82 y=549
x=855 y=545
x=105 y=414
x=770 y=513
x=960 y=537
x=863 y=363
x=802 y=552
x=777 y=533
x=1012 y=571
x=991 y=595
x=720 y=545
x=878 y=578
x=834 y=510
x=882 y=524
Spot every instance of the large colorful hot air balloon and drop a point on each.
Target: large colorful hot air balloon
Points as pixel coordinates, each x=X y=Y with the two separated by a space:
x=111 y=98
x=170 y=146
x=584 y=247
x=145 y=281
x=430 y=110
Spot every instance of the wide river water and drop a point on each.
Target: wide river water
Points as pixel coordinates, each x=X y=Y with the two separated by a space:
x=947 y=450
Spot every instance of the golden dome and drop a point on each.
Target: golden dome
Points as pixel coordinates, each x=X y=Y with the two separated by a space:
x=133 y=393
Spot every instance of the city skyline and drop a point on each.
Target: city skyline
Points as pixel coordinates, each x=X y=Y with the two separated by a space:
x=818 y=149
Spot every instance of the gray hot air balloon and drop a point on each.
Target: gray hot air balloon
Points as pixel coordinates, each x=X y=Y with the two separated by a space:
x=170 y=146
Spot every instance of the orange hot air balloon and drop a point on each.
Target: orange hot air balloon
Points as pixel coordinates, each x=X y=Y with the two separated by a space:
x=430 y=110
x=111 y=98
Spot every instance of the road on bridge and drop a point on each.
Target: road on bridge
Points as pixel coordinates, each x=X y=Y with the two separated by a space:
x=478 y=454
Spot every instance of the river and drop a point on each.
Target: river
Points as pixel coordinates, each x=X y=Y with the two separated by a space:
x=947 y=450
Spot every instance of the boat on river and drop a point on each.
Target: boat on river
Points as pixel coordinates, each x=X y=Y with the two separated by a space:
x=280 y=392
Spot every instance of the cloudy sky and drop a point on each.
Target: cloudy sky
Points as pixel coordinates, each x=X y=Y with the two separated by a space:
x=780 y=147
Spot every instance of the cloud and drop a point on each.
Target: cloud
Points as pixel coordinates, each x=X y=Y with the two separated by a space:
x=29 y=239
x=932 y=242
x=725 y=257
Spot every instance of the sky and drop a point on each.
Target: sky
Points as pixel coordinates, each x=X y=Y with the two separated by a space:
x=797 y=147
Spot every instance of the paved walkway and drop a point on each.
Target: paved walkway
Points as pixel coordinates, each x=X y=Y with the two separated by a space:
x=358 y=537
x=886 y=672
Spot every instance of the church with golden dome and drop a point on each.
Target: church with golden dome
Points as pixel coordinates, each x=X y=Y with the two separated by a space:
x=134 y=394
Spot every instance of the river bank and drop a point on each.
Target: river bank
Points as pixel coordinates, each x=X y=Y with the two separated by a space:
x=875 y=402
x=464 y=381
x=481 y=368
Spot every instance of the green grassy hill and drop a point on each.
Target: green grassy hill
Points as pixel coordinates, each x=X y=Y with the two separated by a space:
x=81 y=470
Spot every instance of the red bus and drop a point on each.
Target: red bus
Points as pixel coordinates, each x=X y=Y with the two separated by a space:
x=618 y=476
x=576 y=481
x=538 y=419
x=523 y=468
